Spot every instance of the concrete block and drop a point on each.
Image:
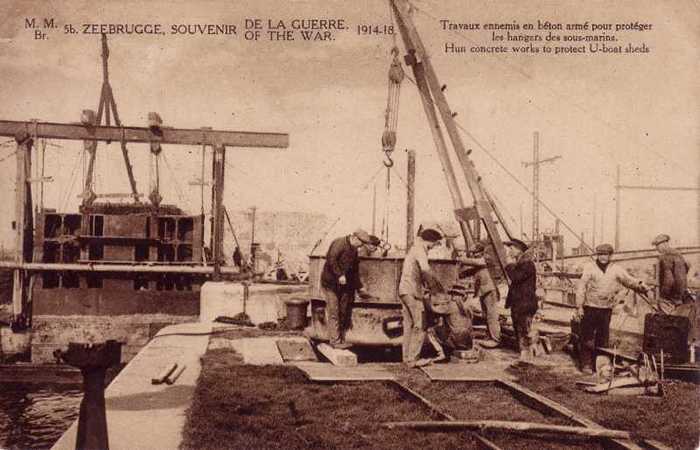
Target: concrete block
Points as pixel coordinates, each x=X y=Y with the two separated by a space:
x=265 y=303
x=338 y=357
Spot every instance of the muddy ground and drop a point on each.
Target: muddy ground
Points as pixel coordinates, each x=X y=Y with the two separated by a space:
x=241 y=406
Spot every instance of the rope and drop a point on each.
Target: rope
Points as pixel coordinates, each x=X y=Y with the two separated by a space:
x=178 y=189
x=9 y=155
x=72 y=183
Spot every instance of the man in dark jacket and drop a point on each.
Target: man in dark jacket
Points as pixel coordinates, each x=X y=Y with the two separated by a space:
x=673 y=271
x=340 y=280
x=521 y=299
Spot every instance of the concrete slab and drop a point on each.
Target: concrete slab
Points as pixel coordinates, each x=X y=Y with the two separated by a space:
x=258 y=351
x=481 y=371
x=145 y=416
x=265 y=303
x=317 y=371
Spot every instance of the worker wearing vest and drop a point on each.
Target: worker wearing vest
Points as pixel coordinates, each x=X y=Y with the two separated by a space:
x=600 y=282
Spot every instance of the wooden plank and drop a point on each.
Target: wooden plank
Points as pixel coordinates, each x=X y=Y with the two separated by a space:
x=180 y=136
x=479 y=372
x=338 y=357
x=318 y=371
x=296 y=350
x=508 y=426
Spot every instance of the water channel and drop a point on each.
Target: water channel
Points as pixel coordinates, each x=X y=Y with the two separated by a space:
x=35 y=415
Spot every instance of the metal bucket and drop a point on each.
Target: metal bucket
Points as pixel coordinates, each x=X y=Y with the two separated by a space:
x=296 y=313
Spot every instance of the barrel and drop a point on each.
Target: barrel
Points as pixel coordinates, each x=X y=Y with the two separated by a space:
x=296 y=313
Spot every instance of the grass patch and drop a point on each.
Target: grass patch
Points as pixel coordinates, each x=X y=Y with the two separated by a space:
x=673 y=419
x=261 y=407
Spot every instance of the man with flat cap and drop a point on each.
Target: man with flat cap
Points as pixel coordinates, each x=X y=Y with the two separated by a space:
x=595 y=298
x=673 y=271
x=415 y=274
x=340 y=280
x=521 y=298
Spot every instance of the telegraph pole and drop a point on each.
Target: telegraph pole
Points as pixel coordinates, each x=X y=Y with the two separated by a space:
x=535 y=163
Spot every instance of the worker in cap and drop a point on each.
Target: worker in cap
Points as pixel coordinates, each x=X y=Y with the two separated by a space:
x=370 y=247
x=415 y=275
x=521 y=299
x=479 y=265
x=673 y=273
x=340 y=280
x=600 y=282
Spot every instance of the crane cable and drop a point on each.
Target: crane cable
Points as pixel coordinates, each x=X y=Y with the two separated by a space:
x=391 y=117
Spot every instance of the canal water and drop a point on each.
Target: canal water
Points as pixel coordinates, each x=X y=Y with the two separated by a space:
x=34 y=416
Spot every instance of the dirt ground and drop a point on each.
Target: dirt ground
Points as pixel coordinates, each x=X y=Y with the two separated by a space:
x=241 y=406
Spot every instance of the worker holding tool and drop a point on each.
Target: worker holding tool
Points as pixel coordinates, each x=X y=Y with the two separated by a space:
x=521 y=298
x=599 y=284
x=340 y=280
x=673 y=272
x=415 y=274
x=484 y=287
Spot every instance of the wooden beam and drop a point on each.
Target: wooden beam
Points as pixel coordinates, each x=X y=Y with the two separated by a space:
x=126 y=268
x=484 y=442
x=180 y=136
x=554 y=407
x=508 y=426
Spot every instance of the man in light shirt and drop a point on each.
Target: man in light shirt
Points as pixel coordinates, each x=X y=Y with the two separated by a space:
x=600 y=282
x=416 y=273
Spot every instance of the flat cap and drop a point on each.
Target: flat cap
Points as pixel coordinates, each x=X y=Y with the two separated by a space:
x=430 y=235
x=517 y=243
x=604 y=249
x=660 y=239
x=374 y=240
x=362 y=235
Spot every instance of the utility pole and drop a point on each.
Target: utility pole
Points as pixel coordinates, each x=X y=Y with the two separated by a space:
x=535 y=163
x=594 y=220
x=374 y=209
x=253 y=245
x=617 y=208
x=618 y=191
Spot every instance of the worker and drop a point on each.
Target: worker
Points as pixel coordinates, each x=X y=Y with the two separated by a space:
x=452 y=329
x=238 y=258
x=415 y=274
x=600 y=282
x=521 y=298
x=370 y=247
x=485 y=288
x=340 y=280
x=673 y=272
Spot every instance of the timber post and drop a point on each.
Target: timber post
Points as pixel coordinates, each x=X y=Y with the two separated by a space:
x=410 y=198
x=217 y=231
x=23 y=229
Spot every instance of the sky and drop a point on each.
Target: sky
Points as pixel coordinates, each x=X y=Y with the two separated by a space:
x=596 y=111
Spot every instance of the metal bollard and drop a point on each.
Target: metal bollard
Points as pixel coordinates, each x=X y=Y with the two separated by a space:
x=93 y=360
